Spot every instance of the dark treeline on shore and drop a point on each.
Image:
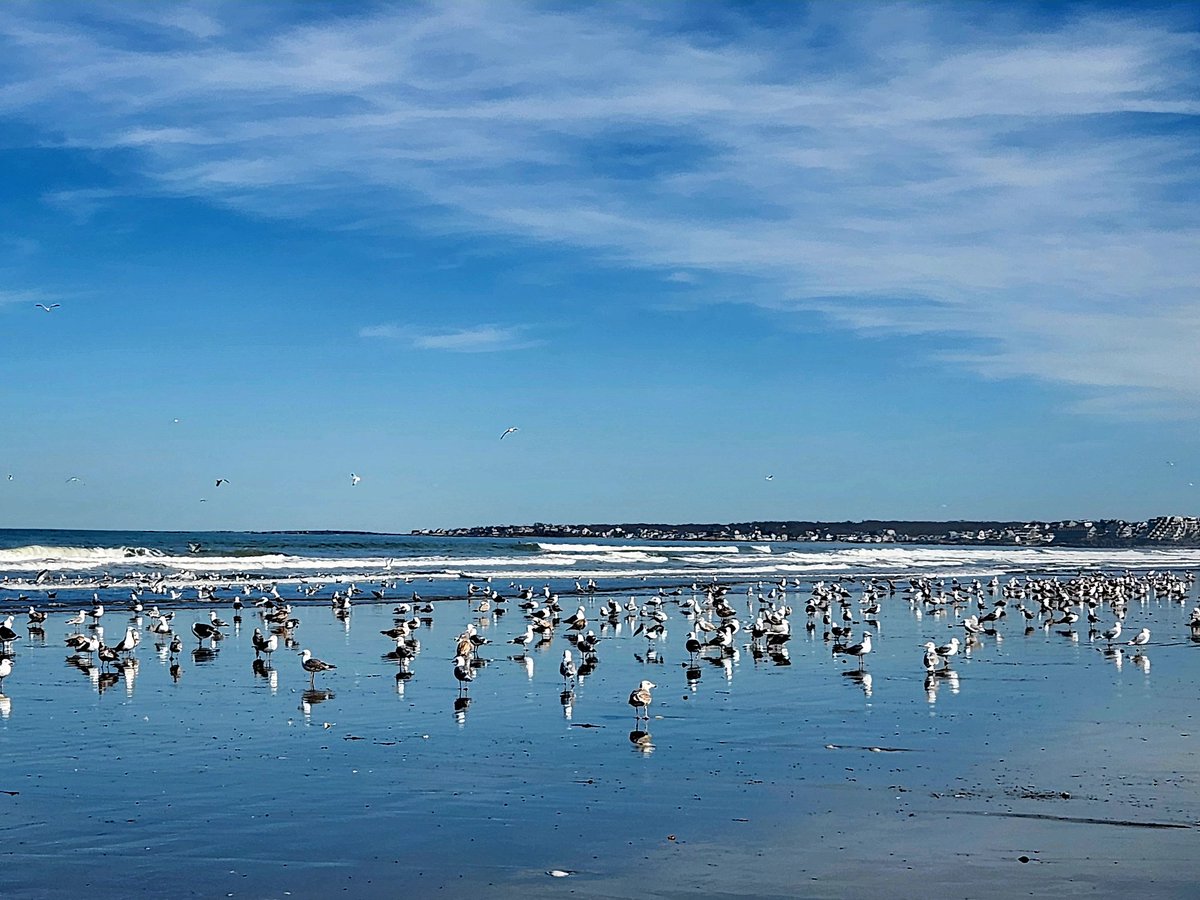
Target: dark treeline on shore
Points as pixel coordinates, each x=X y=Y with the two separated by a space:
x=1163 y=530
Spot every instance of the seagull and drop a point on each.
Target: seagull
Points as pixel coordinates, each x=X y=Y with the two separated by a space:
x=312 y=666
x=770 y=478
x=640 y=699
x=524 y=640
x=948 y=650
x=508 y=432
x=859 y=650
x=931 y=658
x=47 y=308
x=205 y=632
x=221 y=481
x=1141 y=638
x=354 y=479
x=463 y=672
x=72 y=478
x=567 y=667
x=1112 y=634
x=6 y=668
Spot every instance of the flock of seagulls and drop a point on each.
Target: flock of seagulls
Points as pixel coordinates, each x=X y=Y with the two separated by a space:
x=718 y=625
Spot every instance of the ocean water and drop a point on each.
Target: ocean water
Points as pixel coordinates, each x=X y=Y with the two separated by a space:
x=1043 y=765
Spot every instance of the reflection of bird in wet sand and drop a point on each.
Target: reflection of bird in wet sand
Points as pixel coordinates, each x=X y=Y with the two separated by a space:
x=640 y=699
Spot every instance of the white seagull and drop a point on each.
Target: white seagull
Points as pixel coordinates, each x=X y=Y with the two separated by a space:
x=508 y=432
x=354 y=479
x=1141 y=638
x=47 y=308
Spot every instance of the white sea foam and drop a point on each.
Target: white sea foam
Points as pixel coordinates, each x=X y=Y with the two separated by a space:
x=637 y=548
x=39 y=555
x=567 y=561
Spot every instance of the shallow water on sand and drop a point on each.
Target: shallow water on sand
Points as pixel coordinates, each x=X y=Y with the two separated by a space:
x=757 y=776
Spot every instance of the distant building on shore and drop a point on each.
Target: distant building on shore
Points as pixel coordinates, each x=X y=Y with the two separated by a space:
x=1173 y=530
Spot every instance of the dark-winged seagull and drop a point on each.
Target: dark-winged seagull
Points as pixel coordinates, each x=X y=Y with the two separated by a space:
x=312 y=666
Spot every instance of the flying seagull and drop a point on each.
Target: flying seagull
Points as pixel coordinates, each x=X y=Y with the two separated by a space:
x=221 y=481
x=47 y=308
x=770 y=478
x=508 y=432
x=72 y=478
x=354 y=479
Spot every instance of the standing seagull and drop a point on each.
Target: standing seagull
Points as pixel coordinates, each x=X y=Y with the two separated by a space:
x=508 y=432
x=946 y=651
x=463 y=672
x=640 y=699
x=859 y=650
x=1112 y=634
x=6 y=668
x=931 y=658
x=1141 y=639
x=312 y=666
x=567 y=668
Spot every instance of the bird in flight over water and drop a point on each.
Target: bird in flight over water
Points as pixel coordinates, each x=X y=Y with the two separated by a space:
x=508 y=432
x=47 y=308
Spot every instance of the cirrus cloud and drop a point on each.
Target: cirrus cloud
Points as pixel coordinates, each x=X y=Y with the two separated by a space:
x=1019 y=178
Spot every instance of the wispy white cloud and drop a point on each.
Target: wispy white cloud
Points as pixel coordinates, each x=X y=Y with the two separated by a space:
x=27 y=298
x=479 y=339
x=1022 y=184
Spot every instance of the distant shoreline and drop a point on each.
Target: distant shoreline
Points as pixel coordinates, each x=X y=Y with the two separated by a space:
x=1162 y=531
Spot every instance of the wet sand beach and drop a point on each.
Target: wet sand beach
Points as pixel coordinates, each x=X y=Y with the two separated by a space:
x=1038 y=764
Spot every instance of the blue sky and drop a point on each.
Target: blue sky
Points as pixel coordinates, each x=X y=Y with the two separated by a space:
x=914 y=260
